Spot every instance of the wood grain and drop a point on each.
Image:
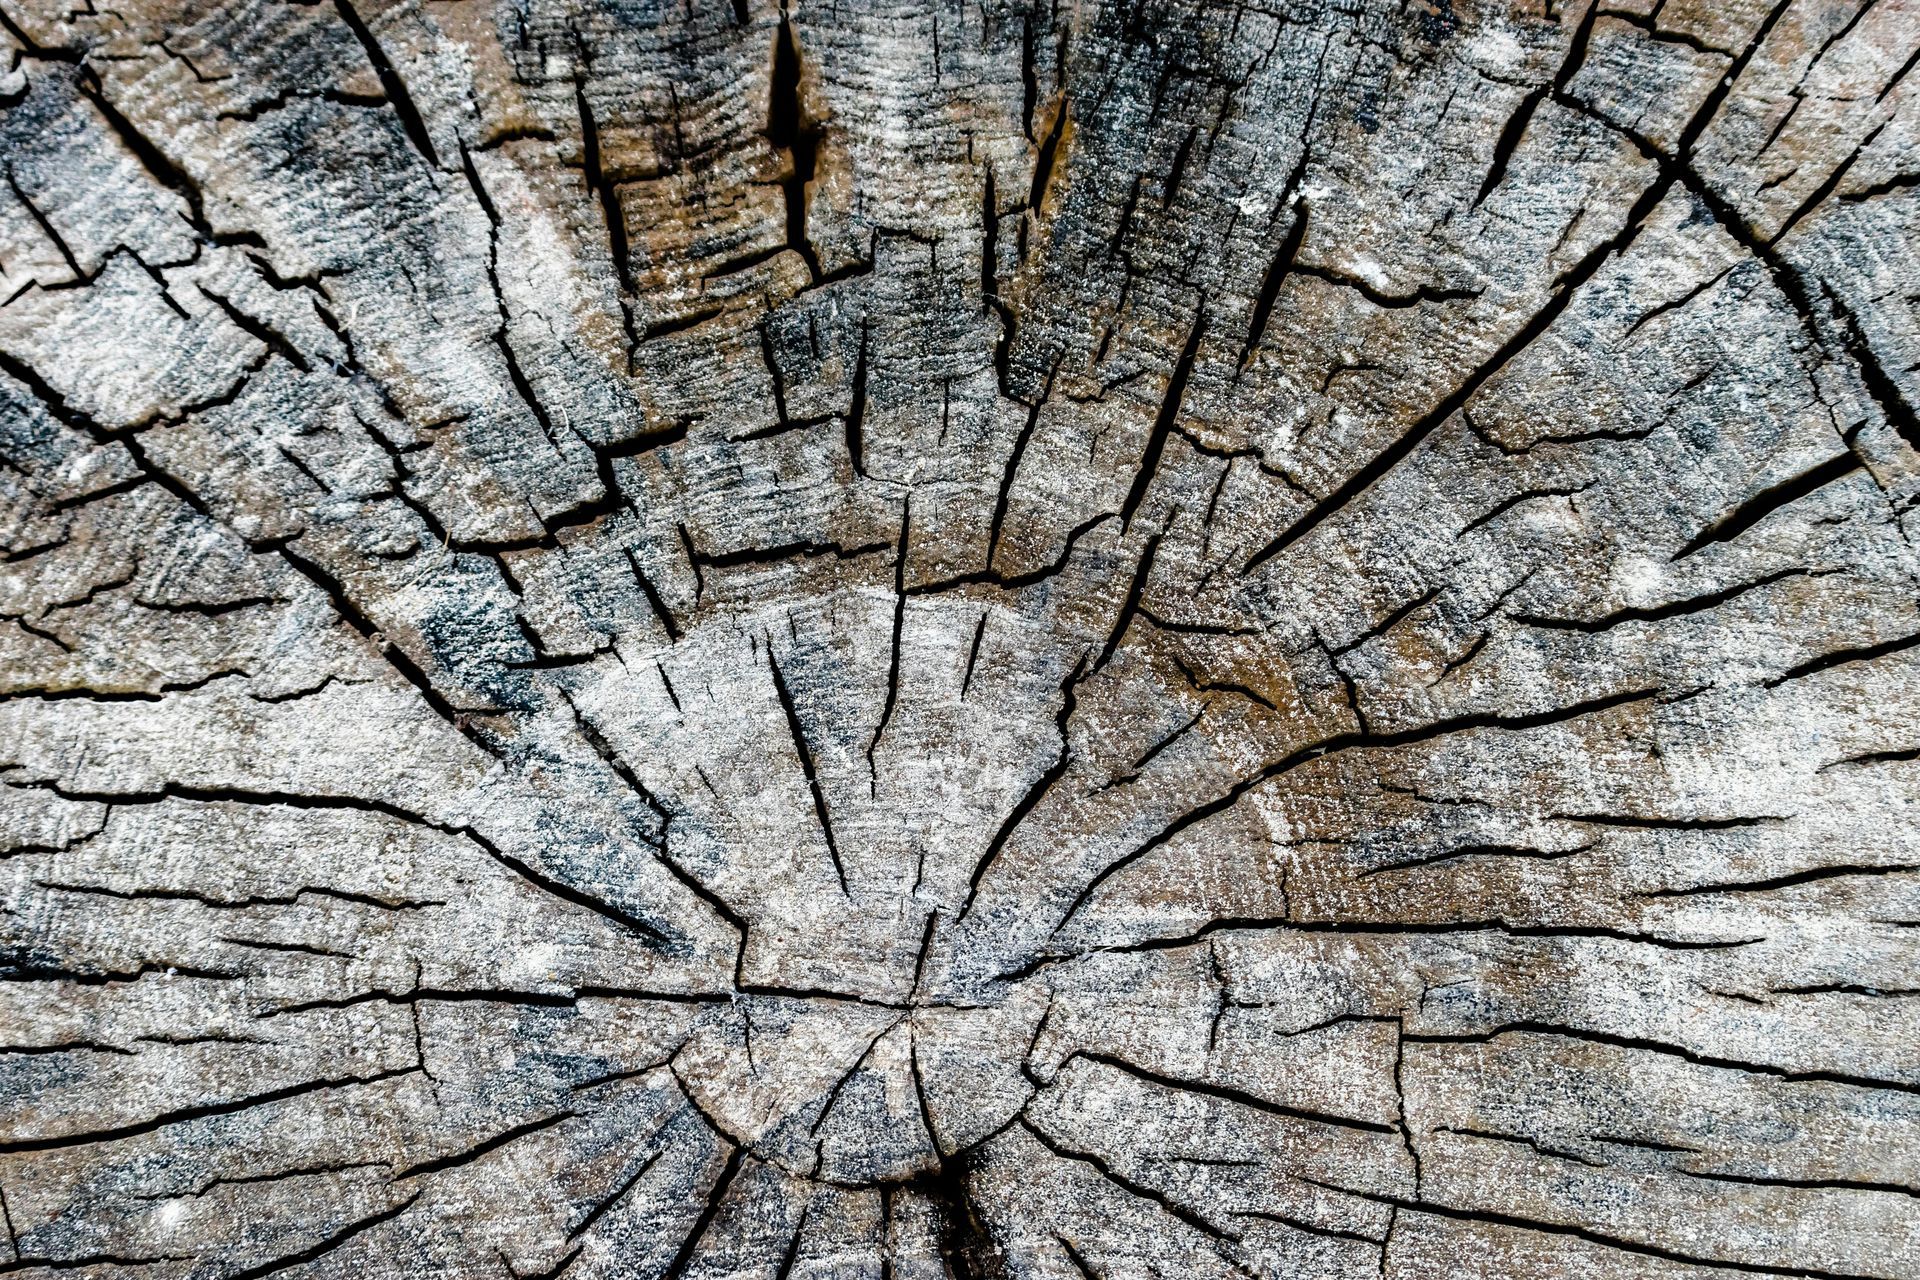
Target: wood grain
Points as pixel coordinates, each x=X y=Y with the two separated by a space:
x=863 y=639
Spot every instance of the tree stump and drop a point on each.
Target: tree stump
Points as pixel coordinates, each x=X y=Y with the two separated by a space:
x=1123 y=639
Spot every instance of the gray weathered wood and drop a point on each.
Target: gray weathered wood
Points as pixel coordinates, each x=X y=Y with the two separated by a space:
x=874 y=639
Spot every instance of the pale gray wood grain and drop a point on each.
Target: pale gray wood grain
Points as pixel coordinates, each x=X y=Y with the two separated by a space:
x=865 y=640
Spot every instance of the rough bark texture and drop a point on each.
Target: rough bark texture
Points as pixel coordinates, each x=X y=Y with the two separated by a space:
x=880 y=639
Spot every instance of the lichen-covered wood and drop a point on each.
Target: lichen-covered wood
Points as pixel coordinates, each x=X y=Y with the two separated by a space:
x=869 y=639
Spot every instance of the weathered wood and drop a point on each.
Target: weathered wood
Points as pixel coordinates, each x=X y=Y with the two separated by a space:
x=895 y=640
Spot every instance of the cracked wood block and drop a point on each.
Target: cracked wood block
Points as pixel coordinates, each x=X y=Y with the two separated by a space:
x=901 y=640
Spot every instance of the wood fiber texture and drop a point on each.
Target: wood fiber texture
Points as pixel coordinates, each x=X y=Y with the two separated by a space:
x=897 y=639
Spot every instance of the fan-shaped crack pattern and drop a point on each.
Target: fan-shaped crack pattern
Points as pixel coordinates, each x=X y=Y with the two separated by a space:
x=843 y=640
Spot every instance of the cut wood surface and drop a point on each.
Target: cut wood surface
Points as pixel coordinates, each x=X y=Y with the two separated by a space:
x=874 y=639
